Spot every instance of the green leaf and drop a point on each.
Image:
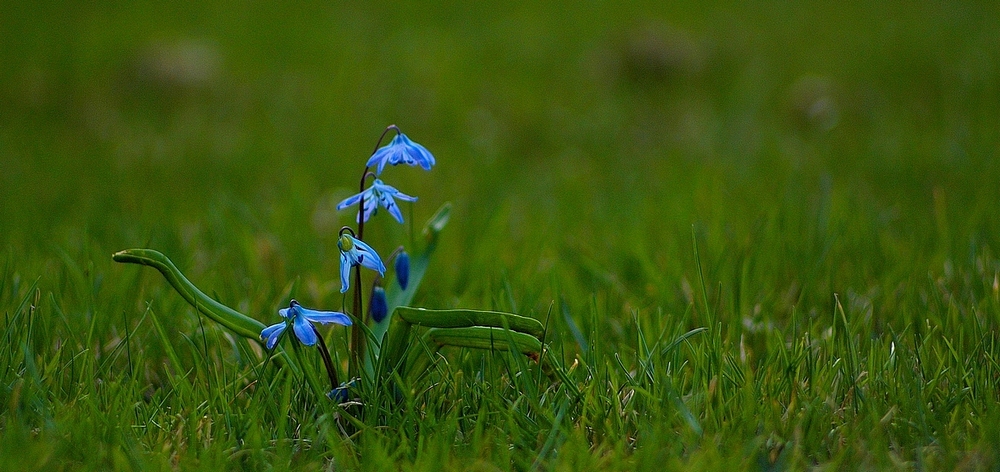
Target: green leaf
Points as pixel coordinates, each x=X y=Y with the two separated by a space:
x=464 y=318
x=395 y=296
x=233 y=320
x=237 y=322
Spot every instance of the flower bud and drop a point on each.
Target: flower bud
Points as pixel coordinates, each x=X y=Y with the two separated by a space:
x=378 y=308
x=403 y=269
x=345 y=244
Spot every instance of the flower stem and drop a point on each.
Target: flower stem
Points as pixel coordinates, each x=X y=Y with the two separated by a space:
x=361 y=186
x=324 y=353
x=357 y=344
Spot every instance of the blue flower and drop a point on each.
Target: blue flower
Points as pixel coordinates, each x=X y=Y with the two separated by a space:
x=383 y=195
x=355 y=252
x=401 y=150
x=341 y=393
x=299 y=317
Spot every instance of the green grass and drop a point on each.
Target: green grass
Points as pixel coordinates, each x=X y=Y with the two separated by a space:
x=761 y=236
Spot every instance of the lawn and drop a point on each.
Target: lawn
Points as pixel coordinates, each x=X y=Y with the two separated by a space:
x=759 y=236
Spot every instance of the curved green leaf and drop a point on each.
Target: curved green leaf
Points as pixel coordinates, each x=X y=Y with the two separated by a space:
x=395 y=295
x=237 y=322
x=464 y=318
x=484 y=337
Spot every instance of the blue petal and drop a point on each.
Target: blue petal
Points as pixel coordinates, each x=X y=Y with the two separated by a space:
x=304 y=331
x=370 y=259
x=350 y=200
x=284 y=313
x=272 y=334
x=365 y=198
x=383 y=154
x=389 y=191
x=268 y=331
x=401 y=150
x=345 y=272
x=403 y=157
x=324 y=317
x=339 y=394
x=379 y=155
x=370 y=208
x=419 y=153
x=390 y=205
x=404 y=197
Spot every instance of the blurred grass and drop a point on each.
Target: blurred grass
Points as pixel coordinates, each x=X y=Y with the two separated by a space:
x=820 y=148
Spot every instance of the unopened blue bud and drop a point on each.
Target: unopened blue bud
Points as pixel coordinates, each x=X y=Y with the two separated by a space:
x=378 y=308
x=403 y=269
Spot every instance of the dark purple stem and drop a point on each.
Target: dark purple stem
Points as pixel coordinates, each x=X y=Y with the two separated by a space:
x=331 y=371
x=357 y=345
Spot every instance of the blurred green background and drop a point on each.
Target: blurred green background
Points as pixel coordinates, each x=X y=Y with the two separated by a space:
x=810 y=149
x=815 y=147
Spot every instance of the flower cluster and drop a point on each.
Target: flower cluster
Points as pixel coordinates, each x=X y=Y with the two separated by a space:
x=354 y=252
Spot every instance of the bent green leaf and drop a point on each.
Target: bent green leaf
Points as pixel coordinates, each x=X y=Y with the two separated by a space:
x=235 y=321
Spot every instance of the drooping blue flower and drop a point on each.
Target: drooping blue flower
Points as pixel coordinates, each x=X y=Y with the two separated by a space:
x=378 y=194
x=378 y=307
x=354 y=252
x=300 y=317
x=401 y=150
x=403 y=269
x=341 y=393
